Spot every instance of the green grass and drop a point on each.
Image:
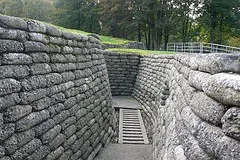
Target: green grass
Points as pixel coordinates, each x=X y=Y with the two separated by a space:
x=105 y=39
x=113 y=40
x=73 y=30
x=66 y=29
x=138 y=51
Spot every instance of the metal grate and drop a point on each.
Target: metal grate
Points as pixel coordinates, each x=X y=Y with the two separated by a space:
x=131 y=127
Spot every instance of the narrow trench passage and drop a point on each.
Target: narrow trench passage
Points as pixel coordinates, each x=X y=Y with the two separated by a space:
x=131 y=142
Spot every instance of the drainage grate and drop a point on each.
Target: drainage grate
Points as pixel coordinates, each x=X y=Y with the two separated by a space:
x=131 y=127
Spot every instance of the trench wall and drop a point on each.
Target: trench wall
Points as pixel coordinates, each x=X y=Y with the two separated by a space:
x=193 y=103
x=122 y=72
x=55 y=99
x=190 y=101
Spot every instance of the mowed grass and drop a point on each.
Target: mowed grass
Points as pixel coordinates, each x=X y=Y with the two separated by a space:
x=113 y=40
x=138 y=51
x=104 y=39
x=73 y=30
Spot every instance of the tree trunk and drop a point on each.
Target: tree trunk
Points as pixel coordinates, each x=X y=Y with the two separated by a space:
x=79 y=16
x=221 y=28
x=91 y=24
x=166 y=38
x=160 y=24
x=159 y=38
x=139 y=33
x=184 y=31
x=213 y=25
x=146 y=39
x=149 y=38
x=154 y=41
x=78 y=20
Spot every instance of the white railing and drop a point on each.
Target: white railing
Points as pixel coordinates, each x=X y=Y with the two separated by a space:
x=197 y=47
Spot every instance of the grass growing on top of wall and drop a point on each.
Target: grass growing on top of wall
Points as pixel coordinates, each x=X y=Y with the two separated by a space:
x=104 y=39
x=138 y=51
x=72 y=30
x=113 y=40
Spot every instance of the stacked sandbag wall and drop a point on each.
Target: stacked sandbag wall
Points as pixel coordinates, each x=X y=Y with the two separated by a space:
x=55 y=98
x=122 y=72
x=193 y=102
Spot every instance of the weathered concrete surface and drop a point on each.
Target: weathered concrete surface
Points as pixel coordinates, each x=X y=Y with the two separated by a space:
x=224 y=87
x=126 y=102
x=122 y=72
x=231 y=122
x=55 y=99
x=185 y=98
x=126 y=152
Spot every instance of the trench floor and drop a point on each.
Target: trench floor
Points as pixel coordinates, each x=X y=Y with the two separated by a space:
x=126 y=152
x=125 y=102
x=132 y=143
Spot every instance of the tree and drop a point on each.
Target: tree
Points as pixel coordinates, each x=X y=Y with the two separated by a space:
x=11 y=7
x=38 y=9
x=117 y=17
x=220 y=17
x=91 y=17
x=189 y=11
x=154 y=22
x=78 y=14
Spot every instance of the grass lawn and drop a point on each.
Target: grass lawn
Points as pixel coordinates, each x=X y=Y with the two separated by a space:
x=113 y=40
x=105 y=39
x=72 y=30
x=138 y=51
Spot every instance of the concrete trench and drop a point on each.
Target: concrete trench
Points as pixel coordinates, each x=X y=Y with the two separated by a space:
x=131 y=138
x=56 y=93
x=187 y=101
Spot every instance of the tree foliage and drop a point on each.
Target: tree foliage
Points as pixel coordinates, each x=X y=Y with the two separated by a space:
x=11 y=7
x=38 y=9
x=117 y=17
x=154 y=22
x=77 y=14
x=221 y=18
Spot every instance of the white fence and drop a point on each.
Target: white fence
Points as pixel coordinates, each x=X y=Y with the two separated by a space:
x=196 y=47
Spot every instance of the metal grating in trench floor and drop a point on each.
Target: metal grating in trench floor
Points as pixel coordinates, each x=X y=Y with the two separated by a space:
x=131 y=127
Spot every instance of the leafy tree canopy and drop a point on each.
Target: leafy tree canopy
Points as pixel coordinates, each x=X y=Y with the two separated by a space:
x=154 y=22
